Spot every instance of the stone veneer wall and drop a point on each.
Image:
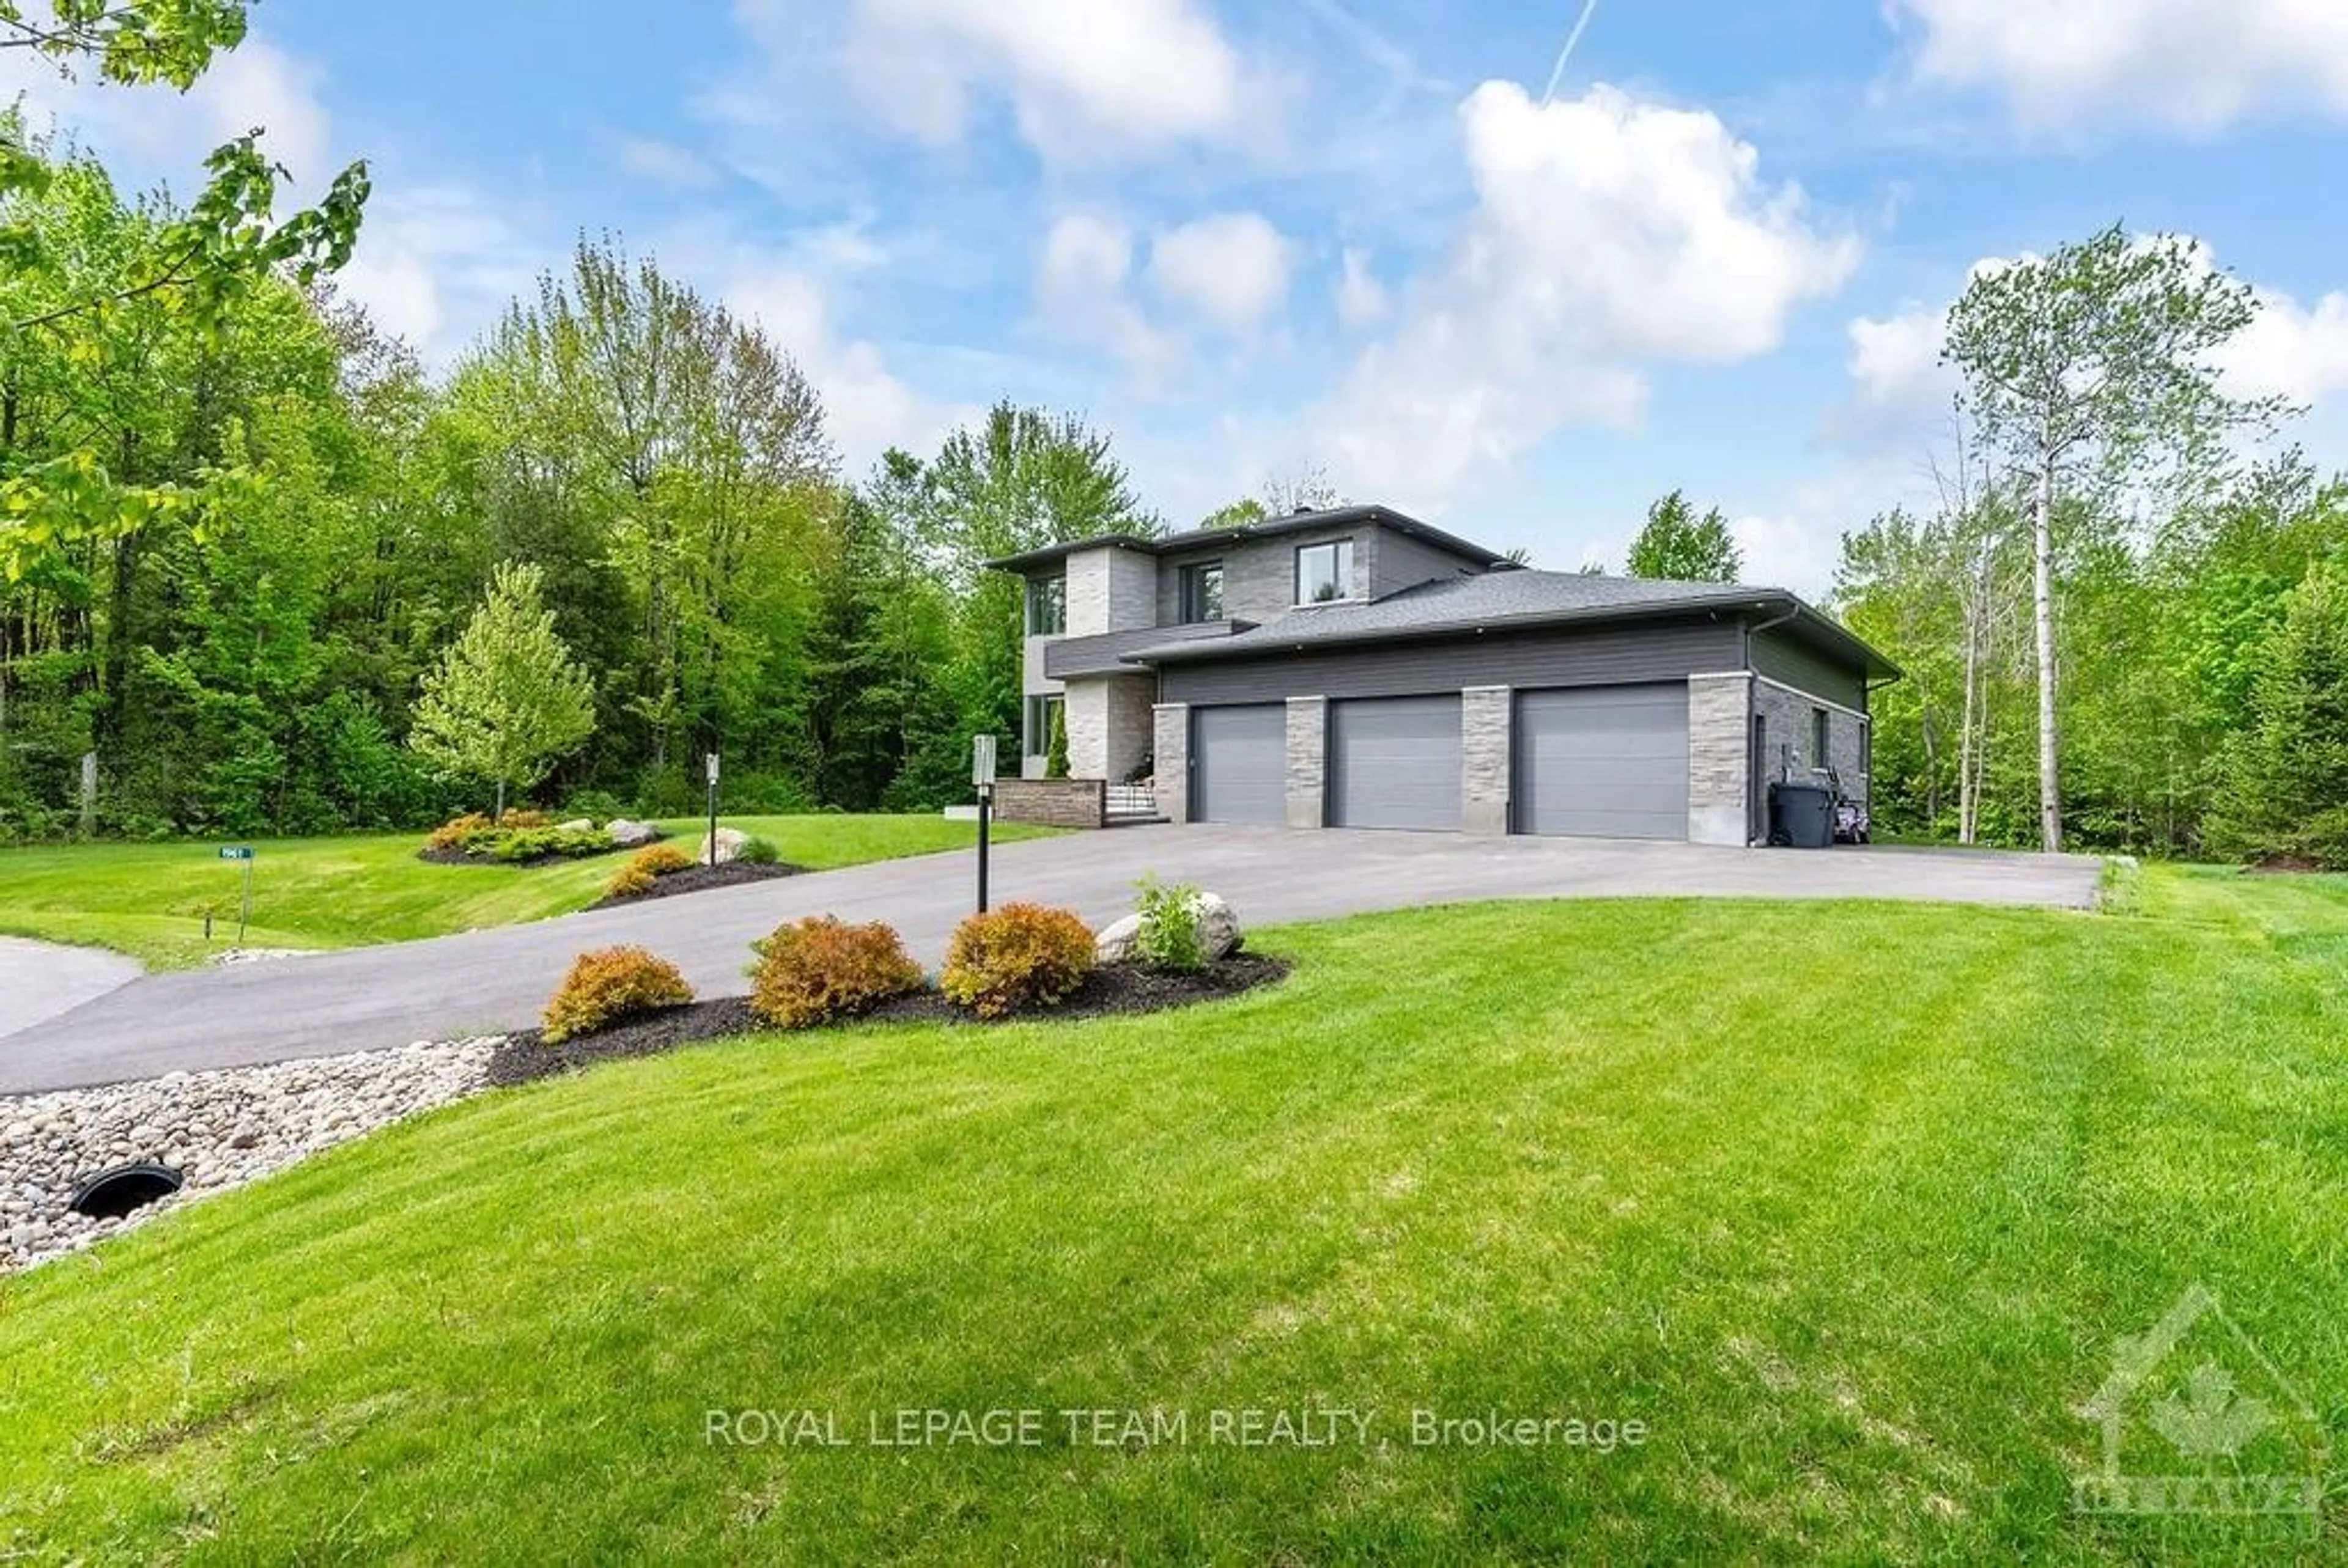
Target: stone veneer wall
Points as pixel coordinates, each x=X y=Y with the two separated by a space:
x=1131 y=728
x=1788 y=713
x=1088 y=729
x=1720 y=766
x=1308 y=749
x=1486 y=759
x=1052 y=802
x=1172 y=723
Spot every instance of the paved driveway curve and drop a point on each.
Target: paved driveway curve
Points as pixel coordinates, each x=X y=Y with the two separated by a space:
x=486 y=981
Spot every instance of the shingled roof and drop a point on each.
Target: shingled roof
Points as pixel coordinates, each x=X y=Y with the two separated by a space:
x=1507 y=599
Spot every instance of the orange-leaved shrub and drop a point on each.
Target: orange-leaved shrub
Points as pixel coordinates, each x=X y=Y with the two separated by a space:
x=1018 y=957
x=813 y=970
x=452 y=833
x=609 y=986
x=653 y=860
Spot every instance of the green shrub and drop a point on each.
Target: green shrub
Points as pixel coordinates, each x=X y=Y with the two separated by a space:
x=609 y=986
x=456 y=831
x=1055 y=744
x=757 y=851
x=1019 y=957
x=1168 y=937
x=821 y=968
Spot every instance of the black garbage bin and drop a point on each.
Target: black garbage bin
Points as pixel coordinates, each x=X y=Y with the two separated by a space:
x=1801 y=816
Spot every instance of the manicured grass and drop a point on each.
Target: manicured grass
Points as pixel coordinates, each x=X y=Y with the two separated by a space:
x=1848 y=1203
x=148 y=900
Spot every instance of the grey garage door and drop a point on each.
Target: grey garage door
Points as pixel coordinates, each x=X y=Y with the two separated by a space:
x=1394 y=762
x=1239 y=764
x=1607 y=762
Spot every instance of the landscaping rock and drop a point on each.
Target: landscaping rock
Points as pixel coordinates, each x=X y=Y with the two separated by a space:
x=576 y=825
x=1218 y=932
x=730 y=841
x=629 y=833
x=220 y=1129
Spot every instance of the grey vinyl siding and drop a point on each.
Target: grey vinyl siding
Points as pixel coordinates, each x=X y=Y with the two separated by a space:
x=1646 y=651
x=1103 y=654
x=1260 y=575
x=1402 y=561
x=1781 y=658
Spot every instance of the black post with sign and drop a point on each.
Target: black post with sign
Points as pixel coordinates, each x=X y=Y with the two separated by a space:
x=982 y=775
x=709 y=845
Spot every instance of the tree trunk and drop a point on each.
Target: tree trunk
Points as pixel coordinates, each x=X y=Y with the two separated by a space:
x=498 y=814
x=2042 y=609
x=1968 y=750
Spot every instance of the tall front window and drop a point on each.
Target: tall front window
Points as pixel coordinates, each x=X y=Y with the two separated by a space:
x=1324 y=572
x=1039 y=725
x=1202 y=591
x=1047 y=606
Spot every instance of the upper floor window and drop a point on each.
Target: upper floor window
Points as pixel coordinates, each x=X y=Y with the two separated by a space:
x=1202 y=591
x=1324 y=572
x=1047 y=606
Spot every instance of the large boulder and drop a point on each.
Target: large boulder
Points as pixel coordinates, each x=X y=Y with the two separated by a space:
x=1218 y=932
x=576 y=825
x=629 y=835
x=730 y=841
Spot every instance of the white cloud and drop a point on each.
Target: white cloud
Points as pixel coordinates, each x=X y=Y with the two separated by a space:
x=1083 y=290
x=1900 y=391
x=1084 y=80
x=866 y=407
x=1361 y=298
x=1231 y=268
x=2189 y=65
x=666 y=163
x=1608 y=231
x=437 y=264
x=2291 y=351
x=155 y=133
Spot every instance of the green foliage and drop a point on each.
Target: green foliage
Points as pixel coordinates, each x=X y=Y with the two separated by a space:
x=757 y=851
x=1017 y=957
x=1169 y=936
x=1056 y=745
x=820 y=969
x=507 y=698
x=1677 y=544
x=2285 y=773
x=612 y=985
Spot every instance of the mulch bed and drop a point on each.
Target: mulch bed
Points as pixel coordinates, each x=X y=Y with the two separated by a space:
x=2282 y=866
x=701 y=878
x=452 y=856
x=1109 y=990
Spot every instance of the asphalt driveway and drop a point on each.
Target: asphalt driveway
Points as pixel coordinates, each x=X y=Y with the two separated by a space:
x=488 y=981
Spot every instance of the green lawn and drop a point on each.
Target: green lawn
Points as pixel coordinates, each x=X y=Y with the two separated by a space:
x=149 y=899
x=1848 y=1205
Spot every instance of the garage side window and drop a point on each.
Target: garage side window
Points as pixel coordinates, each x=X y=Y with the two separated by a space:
x=1818 y=737
x=1324 y=572
x=1047 y=606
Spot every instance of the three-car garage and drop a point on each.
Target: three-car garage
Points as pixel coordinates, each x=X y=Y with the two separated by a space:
x=1607 y=762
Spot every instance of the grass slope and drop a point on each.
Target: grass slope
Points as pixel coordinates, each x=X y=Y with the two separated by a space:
x=1848 y=1203
x=148 y=900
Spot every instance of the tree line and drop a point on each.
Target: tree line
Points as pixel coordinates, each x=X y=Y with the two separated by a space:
x=2125 y=625
x=286 y=522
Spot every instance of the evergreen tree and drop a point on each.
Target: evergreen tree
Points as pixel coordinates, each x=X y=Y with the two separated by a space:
x=1056 y=745
x=507 y=699
x=2286 y=776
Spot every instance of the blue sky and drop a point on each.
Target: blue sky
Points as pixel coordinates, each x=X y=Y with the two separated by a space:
x=1353 y=235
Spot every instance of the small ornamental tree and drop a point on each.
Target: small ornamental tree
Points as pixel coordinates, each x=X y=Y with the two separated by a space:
x=1055 y=744
x=507 y=699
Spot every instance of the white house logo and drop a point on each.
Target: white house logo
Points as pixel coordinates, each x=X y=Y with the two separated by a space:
x=2195 y=1419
